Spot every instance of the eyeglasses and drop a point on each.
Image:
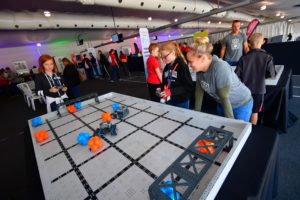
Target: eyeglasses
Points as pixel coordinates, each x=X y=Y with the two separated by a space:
x=165 y=57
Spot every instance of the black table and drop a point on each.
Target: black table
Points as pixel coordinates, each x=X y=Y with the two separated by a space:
x=254 y=174
x=276 y=114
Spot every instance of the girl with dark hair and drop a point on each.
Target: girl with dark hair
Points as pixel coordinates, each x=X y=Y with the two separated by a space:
x=71 y=78
x=48 y=84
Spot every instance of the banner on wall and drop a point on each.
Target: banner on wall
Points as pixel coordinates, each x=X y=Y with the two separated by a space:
x=21 y=67
x=59 y=64
x=145 y=42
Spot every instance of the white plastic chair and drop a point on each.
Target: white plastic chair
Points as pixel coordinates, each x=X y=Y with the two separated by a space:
x=31 y=85
x=20 y=87
x=30 y=96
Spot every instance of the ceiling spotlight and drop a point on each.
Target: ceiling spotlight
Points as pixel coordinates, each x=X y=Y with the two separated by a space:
x=242 y=24
x=290 y=20
x=282 y=16
x=169 y=36
x=38 y=44
x=175 y=20
x=277 y=14
x=220 y=22
x=135 y=38
x=264 y=7
x=149 y=18
x=181 y=35
x=47 y=13
x=208 y=22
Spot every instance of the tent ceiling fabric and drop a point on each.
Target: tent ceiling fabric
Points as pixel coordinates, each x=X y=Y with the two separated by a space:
x=95 y=18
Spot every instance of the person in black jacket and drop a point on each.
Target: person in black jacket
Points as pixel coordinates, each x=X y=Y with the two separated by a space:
x=104 y=64
x=71 y=78
x=176 y=78
x=88 y=67
x=48 y=84
x=252 y=70
x=94 y=64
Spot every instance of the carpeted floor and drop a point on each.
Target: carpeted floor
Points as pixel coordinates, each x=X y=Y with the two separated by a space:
x=15 y=113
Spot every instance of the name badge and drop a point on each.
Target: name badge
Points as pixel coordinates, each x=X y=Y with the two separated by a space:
x=174 y=74
x=166 y=74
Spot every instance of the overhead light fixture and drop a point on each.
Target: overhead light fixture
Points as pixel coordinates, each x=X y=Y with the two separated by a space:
x=175 y=20
x=242 y=24
x=169 y=36
x=135 y=38
x=47 y=13
x=277 y=14
x=181 y=35
x=149 y=18
x=220 y=22
x=290 y=20
x=38 y=44
x=264 y=7
x=208 y=22
x=282 y=16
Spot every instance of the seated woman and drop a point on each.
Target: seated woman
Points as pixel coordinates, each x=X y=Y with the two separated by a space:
x=176 y=77
x=49 y=84
x=216 y=77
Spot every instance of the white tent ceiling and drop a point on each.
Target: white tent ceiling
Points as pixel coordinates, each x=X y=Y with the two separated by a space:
x=23 y=22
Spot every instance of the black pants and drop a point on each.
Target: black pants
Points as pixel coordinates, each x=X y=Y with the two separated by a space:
x=152 y=91
x=89 y=73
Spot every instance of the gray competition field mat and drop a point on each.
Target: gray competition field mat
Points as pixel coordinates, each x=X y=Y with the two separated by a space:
x=155 y=154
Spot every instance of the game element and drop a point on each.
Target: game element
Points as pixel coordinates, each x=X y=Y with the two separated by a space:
x=95 y=143
x=41 y=136
x=36 y=121
x=83 y=138
x=115 y=106
x=71 y=109
x=170 y=192
x=187 y=171
x=106 y=127
x=77 y=105
x=206 y=147
x=165 y=95
x=119 y=112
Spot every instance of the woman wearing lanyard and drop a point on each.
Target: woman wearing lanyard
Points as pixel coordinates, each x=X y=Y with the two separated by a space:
x=216 y=77
x=49 y=84
x=176 y=77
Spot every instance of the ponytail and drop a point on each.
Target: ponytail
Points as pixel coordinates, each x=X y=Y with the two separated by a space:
x=202 y=47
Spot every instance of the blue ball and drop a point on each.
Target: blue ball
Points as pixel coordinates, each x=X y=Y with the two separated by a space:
x=115 y=106
x=77 y=105
x=36 y=121
x=169 y=191
x=83 y=138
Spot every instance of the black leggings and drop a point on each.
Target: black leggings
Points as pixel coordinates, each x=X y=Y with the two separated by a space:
x=152 y=91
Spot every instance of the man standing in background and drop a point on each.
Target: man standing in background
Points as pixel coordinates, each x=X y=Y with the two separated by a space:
x=234 y=44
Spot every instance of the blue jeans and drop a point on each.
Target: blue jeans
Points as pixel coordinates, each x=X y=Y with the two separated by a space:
x=184 y=104
x=242 y=112
x=114 y=73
